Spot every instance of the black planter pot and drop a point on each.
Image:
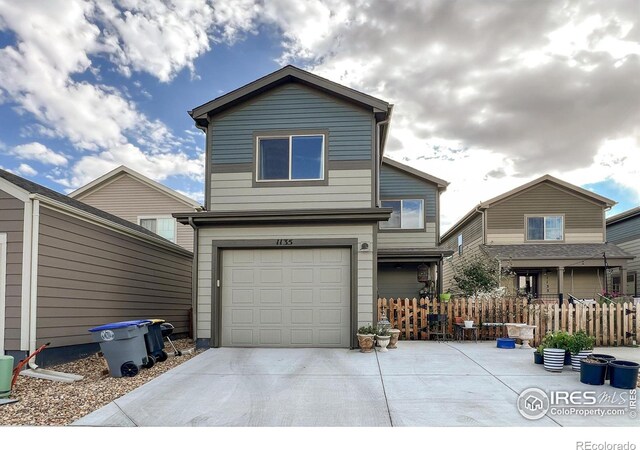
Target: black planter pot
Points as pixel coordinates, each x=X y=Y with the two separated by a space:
x=623 y=374
x=607 y=358
x=567 y=358
x=538 y=358
x=593 y=372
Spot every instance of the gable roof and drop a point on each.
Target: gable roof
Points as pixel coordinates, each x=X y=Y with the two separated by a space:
x=572 y=187
x=628 y=214
x=545 y=178
x=442 y=184
x=56 y=197
x=288 y=74
x=117 y=172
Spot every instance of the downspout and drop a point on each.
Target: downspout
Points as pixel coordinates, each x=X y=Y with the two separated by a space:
x=194 y=282
x=378 y=159
x=33 y=295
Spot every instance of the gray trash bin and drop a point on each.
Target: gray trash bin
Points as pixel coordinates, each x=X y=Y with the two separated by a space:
x=123 y=346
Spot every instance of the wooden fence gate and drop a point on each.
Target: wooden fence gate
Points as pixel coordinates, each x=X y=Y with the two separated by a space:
x=612 y=325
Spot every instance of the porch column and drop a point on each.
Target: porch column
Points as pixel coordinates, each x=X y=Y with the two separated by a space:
x=439 y=279
x=623 y=280
x=560 y=284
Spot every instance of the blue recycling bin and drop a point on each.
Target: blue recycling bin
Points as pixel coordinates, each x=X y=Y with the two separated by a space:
x=123 y=346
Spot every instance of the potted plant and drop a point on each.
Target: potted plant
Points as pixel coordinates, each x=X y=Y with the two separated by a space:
x=366 y=335
x=593 y=370
x=538 y=357
x=580 y=345
x=555 y=348
x=383 y=336
x=445 y=296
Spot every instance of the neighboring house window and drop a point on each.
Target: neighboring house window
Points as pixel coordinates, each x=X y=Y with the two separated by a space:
x=460 y=244
x=165 y=227
x=407 y=214
x=545 y=228
x=294 y=157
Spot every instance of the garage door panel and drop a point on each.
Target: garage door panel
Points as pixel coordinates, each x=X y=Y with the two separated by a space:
x=271 y=296
x=301 y=296
x=310 y=306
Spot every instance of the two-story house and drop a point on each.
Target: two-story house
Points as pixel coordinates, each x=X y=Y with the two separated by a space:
x=132 y=196
x=287 y=250
x=550 y=233
x=624 y=230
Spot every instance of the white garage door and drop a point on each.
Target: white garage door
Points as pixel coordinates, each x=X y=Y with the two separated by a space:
x=286 y=297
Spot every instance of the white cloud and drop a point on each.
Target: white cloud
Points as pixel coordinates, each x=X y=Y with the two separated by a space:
x=37 y=152
x=25 y=170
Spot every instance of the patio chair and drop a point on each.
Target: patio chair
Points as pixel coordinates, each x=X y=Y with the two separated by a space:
x=437 y=327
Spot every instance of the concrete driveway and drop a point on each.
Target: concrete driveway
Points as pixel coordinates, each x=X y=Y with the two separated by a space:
x=418 y=384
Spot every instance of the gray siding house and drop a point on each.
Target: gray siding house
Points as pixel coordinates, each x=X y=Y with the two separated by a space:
x=624 y=230
x=130 y=195
x=66 y=266
x=549 y=232
x=288 y=248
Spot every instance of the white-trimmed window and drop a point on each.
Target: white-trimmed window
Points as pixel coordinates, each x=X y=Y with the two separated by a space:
x=545 y=228
x=408 y=214
x=163 y=226
x=460 y=244
x=295 y=157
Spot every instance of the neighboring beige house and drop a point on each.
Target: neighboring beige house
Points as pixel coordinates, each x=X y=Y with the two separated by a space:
x=132 y=196
x=624 y=230
x=549 y=232
x=66 y=267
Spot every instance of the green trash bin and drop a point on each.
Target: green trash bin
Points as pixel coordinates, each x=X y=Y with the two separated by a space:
x=6 y=374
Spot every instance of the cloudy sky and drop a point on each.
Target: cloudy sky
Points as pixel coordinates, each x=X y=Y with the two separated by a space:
x=488 y=94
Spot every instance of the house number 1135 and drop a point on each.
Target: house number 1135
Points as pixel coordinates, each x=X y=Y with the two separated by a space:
x=284 y=242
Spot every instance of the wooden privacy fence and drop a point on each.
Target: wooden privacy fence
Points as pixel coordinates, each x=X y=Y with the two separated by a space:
x=612 y=325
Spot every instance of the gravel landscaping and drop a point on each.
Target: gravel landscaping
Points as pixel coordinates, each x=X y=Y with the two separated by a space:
x=43 y=402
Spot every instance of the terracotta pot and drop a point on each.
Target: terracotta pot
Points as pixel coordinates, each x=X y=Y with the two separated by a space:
x=366 y=341
x=395 y=335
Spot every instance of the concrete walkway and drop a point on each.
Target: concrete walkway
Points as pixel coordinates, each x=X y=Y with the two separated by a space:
x=418 y=384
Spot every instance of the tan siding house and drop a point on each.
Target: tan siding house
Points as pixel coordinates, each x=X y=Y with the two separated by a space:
x=549 y=232
x=130 y=195
x=70 y=266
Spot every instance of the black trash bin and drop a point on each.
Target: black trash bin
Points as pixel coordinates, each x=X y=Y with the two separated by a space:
x=123 y=346
x=154 y=340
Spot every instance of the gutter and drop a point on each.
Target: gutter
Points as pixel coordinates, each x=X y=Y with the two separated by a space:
x=3 y=288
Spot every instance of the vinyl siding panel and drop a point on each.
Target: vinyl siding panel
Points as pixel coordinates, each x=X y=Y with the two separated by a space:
x=544 y=199
x=583 y=282
x=129 y=199
x=570 y=237
x=632 y=247
x=472 y=238
x=89 y=275
x=292 y=107
x=404 y=239
x=205 y=267
x=346 y=189
x=395 y=184
x=624 y=231
x=12 y=223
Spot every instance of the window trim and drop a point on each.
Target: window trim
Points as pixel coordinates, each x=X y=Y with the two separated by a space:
x=269 y=134
x=544 y=216
x=404 y=230
x=175 y=228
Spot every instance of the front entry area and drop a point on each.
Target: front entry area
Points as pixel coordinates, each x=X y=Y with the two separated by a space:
x=299 y=297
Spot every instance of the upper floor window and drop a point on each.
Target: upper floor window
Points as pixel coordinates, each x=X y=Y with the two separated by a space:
x=545 y=228
x=406 y=215
x=292 y=157
x=163 y=226
x=460 y=244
